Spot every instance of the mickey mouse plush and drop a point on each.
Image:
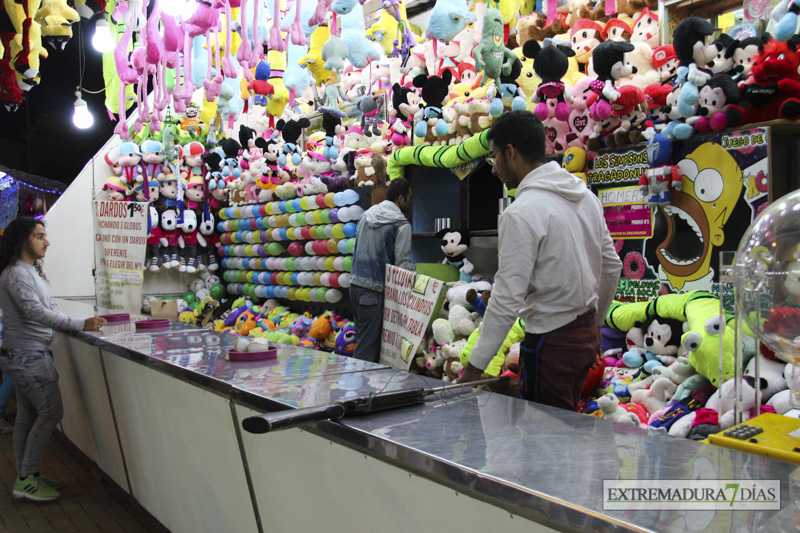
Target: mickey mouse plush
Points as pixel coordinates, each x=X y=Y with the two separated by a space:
x=454 y=244
x=610 y=65
x=689 y=40
x=435 y=91
x=291 y=131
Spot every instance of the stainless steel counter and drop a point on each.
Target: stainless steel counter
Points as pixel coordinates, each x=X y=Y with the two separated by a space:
x=534 y=461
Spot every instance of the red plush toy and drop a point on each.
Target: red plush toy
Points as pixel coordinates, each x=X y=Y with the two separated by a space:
x=775 y=92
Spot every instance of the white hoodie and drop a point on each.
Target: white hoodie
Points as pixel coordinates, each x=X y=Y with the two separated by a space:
x=556 y=260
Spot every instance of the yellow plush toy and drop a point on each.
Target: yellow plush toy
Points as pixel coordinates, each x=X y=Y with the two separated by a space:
x=56 y=18
x=384 y=32
x=27 y=55
x=313 y=61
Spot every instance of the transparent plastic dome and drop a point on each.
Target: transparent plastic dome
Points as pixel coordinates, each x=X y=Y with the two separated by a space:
x=767 y=280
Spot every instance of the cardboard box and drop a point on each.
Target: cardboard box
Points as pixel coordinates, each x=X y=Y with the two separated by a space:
x=164 y=309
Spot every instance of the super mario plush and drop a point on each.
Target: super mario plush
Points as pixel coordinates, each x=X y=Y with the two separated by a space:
x=654 y=182
x=550 y=64
x=454 y=244
x=635 y=126
x=689 y=40
x=665 y=62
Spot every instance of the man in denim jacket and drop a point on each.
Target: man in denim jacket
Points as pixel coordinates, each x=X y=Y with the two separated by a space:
x=383 y=237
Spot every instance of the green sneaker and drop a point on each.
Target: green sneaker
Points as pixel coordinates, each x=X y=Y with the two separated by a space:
x=33 y=488
x=54 y=483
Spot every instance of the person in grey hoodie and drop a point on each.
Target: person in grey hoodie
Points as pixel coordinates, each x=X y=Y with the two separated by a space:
x=557 y=268
x=383 y=238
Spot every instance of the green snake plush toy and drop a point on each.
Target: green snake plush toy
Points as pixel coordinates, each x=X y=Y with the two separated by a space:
x=491 y=55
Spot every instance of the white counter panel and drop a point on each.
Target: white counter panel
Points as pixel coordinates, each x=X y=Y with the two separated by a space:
x=181 y=450
x=88 y=420
x=304 y=482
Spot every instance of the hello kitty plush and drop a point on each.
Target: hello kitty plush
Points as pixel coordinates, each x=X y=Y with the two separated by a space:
x=208 y=239
x=169 y=240
x=187 y=241
x=129 y=158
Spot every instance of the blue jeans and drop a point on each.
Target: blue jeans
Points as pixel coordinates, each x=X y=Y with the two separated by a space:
x=368 y=318
x=39 y=407
x=6 y=390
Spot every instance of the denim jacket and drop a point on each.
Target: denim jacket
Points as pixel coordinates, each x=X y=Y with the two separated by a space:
x=383 y=237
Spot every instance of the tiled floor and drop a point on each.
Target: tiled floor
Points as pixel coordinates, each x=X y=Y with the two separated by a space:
x=86 y=502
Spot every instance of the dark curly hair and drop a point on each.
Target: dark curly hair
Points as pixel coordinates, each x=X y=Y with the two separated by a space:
x=14 y=238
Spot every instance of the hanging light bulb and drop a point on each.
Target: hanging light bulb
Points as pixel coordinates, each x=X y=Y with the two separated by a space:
x=82 y=118
x=102 y=40
x=173 y=8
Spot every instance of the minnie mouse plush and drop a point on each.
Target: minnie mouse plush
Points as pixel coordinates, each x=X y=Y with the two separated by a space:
x=406 y=103
x=454 y=244
x=551 y=62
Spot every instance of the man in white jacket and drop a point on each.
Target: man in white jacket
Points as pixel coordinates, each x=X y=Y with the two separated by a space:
x=557 y=268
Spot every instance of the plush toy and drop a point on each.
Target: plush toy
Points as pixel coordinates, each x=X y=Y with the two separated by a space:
x=169 y=239
x=454 y=244
x=495 y=366
x=574 y=162
x=616 y=30
x=361 y=51
x=622 y=382
x=715 y=97
x=775 y=90
x=723 y=62
x=290 y=132
x=585 y=37
x=457 y=294
x=447 y=19
x=187 y=241
x=479 y=301
x=662 y=338
x=654 y=182
x=491 y=55
x=656 y=397
x=129 y=158
x=56 y=18
x=579 y=121
x=115 y=190
x=369 y=106
x=646 y=29
x=665 y=62
x=745 y=55
x=406 y=103
x=610 y=65
x=550 y=64
x=434 y=91
x=689 y=40
x=609 y=405
x=644 y=73
x=635 y=126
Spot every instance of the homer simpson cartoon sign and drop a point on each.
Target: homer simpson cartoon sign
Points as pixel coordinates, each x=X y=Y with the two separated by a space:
x=718 y=184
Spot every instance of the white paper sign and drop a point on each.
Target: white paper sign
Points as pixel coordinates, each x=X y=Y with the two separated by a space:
x=120 y=242
x=409 y=301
